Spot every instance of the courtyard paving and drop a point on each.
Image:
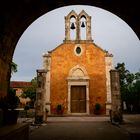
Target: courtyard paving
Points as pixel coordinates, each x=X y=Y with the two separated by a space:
x=85 y=128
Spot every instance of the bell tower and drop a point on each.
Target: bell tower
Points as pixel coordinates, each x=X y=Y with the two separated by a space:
x=75 y=23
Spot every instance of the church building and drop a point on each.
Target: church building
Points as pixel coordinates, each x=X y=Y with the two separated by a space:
x=77 y=71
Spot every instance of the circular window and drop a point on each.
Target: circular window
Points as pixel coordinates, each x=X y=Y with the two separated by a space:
x=78 y=50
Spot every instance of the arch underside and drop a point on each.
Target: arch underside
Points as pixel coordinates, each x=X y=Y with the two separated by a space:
x=16 y=16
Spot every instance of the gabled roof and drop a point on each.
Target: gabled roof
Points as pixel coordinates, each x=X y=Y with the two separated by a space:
x=20 y=84
x=84 y=14
x=72 y=13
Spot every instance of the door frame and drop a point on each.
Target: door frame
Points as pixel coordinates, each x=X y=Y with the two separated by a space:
x=78 y=82
x=76 y=93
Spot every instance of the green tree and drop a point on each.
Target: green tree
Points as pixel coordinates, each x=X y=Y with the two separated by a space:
x=137 y=92
x=123 y=80
x=31 y=92
x=129 y=87
x=13 y=67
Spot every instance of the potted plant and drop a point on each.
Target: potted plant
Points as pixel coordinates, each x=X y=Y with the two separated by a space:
x=59 y=109
x=97 y=108
x=8 y=105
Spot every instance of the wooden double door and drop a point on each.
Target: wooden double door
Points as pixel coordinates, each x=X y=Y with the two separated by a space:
x=78 y=99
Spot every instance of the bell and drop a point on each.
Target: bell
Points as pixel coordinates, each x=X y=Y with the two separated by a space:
x=72 y=26
x=82 y=25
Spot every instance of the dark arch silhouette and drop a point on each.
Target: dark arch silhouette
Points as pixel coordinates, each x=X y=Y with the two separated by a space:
x=17 y=15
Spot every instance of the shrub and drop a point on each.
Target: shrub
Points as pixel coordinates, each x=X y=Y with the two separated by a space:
x=59 y=107
x=10 y=101
x=97 y=106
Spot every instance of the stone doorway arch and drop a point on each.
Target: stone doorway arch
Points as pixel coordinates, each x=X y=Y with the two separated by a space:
x=78 y=78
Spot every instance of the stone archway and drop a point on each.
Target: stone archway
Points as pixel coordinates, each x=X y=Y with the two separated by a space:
x=16 y=16
x=78 y=85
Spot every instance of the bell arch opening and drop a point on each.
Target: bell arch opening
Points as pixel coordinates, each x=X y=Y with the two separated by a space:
x=83 y=27
x=73 y=28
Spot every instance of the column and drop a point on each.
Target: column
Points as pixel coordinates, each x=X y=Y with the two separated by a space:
x=78 y=29
x=109 y=66
x=69 y=101
x=88 y=29
x=47 y=67
x=67 y=28
x=87 y=98
x=116 y=112
x=40 y=99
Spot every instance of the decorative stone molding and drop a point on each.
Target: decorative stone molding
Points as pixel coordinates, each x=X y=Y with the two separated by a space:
x=81 y=69
x=78 y=76
x=78 y=46
x=78 y=41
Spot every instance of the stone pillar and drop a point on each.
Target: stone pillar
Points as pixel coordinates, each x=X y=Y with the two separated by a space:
x=116 y=111
x=109 y=66
x=40 y=99
x=47 y=67
x=87 y=98
x=69 y=99
x=78 y=30
x=88 y=28
x=67 y=28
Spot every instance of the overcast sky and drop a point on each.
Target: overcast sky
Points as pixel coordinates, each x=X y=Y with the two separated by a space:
x=47 y=32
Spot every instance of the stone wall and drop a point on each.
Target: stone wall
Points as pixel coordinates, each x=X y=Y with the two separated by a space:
x=63 y=59
x=4 y=80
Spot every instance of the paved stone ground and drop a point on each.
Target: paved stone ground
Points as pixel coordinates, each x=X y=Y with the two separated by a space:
x=79 y=119
x=79 y=131
x=80 y=128
x=132 y=126
x=84 y=128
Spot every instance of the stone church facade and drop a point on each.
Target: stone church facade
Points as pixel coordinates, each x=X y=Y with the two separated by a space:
x=77 y=71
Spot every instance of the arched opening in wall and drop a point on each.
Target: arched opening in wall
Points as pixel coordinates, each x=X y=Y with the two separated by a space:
x=44 y=34
x=73 y=28
x=109 y=32
x=83 y=27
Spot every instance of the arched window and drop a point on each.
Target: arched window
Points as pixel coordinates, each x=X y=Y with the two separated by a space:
x=83 y=27
x=72 y=27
